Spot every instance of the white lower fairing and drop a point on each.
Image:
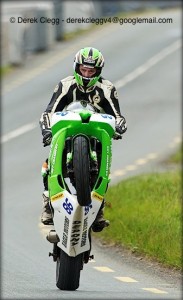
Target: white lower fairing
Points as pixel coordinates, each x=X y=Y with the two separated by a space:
x=72 y=221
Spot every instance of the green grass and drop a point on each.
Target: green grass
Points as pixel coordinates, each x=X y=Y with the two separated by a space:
x=5 y=70
x=176 y=158
x=145 y=215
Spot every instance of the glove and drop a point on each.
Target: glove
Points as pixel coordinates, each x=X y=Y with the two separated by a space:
x=120 y=129
x=47 y=137
x=118 y=133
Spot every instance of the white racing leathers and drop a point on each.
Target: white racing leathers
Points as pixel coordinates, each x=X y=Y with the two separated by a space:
x=102 y=95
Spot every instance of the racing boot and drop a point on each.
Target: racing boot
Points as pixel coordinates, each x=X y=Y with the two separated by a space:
x=100 y=223
x=46 y=216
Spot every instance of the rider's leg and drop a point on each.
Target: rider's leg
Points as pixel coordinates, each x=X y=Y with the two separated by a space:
x=46 y=216
x=100 y=223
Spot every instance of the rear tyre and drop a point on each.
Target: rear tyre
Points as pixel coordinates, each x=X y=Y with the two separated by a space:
x=81 y=166
x=68 y=271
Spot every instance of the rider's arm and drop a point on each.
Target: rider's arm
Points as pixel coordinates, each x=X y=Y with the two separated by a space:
x=57 y=103
x=111 y=105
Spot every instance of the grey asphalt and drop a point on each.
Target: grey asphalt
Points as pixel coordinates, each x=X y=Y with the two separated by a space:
x=151 y=104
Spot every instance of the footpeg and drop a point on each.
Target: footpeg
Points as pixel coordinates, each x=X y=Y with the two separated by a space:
x=52 y=237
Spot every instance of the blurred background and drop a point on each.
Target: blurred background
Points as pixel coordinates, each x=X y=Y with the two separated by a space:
x=143 y=61
x=18 y=41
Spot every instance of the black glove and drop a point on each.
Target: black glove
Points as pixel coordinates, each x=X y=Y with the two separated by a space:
x=118 y=133
x=120 y=129
x=47 y=137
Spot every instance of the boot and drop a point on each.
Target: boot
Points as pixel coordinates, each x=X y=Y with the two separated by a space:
x=100 y=223
x=46 y=216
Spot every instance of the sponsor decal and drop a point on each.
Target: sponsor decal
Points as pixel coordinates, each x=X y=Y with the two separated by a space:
x=68 y=206
x=89 y=60
x=63 y=113
x=105 y=116
x=96 y=98
x=87 y=208
x=84 y=234
x=65 y=233
x=54 y=158
x=57 y=196
x=76 y=229
x=107 y=162
x=97 y=196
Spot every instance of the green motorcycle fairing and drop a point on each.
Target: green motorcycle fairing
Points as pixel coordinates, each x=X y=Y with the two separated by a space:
x=71 y=124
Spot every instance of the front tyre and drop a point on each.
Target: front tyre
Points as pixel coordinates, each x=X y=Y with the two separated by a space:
x=81 y=166
x=68 y=271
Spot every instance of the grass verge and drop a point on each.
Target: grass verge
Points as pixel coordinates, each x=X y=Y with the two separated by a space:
x=5 y=70
x=145 y=216
x=176 y=158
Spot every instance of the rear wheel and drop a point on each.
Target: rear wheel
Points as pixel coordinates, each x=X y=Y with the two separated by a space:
x=81 y=166
x=68 y=271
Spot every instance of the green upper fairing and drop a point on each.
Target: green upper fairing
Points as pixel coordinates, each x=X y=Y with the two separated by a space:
x=64 y=129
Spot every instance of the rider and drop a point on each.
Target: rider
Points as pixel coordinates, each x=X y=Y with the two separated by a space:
x=86 y=84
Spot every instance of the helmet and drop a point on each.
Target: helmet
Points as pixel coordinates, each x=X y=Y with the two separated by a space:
x=91 y=58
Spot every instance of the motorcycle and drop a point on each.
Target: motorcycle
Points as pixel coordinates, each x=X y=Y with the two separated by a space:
x=81 y=153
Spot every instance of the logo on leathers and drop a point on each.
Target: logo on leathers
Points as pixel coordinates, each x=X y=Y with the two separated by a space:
x=96 y=97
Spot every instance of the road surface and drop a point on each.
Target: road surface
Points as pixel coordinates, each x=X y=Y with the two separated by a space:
x=144 y=62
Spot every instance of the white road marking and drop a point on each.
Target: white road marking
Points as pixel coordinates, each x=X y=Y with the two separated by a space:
x=119 y=173
x=17 y=132
x=126 y=279
x=141 y=161
x=103 y=269
x=154 y=290
x=122 y=82
x=130 y=168
x=152 y=156
x=148 y=64
x=177 y=140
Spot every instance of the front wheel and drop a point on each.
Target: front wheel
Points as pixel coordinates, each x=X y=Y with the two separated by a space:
x=81 y=166
x=68 y=271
